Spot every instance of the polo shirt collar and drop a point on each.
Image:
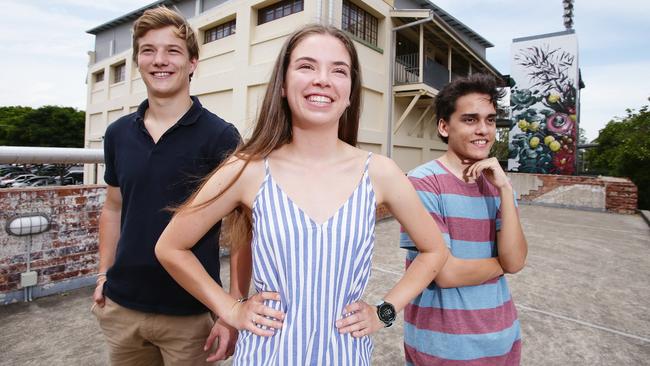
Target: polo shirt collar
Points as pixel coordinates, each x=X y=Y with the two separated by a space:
x=190 y=117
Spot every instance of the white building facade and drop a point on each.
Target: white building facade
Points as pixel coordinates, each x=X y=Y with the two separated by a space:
x=408 y=50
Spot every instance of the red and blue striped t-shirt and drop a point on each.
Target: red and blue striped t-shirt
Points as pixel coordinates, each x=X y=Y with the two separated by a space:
x=472 y=325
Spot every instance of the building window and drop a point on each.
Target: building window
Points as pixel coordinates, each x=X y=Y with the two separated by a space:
x=279 y=10
x=359 y=23
x=222 y=30
x=119 y=73
x=98 y=76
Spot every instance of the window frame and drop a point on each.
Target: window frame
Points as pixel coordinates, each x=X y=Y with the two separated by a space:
x=365 y=26
x=279 y=10
x=96 y=75
x=219 y=31
x=119 y=72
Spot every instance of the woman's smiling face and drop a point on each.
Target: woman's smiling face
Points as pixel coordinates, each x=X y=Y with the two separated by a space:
x=318 y=80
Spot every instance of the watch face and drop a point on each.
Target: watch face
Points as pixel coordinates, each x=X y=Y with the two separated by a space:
x=386 y=312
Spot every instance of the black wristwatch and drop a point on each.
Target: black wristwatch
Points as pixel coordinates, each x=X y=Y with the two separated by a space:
x=386 y=312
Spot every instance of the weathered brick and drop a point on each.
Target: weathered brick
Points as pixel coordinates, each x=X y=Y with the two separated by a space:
x=51 y=270
x=14 y=277
x=68 y=249
x=64 y=275
x=53 y=261
x=16 y=268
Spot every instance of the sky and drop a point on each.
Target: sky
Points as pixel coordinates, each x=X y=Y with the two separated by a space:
x=44 y=47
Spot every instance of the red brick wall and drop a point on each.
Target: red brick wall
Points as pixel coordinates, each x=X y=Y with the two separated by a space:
x=68 y=250
x=621 y=197
x=621 y=194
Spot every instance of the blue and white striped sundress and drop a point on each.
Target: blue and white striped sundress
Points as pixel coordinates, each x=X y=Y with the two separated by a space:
x=318 y=269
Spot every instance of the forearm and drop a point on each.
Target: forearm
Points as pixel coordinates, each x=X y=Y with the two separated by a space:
x=420 y=273
x=468 y=272
x=109 y=234
x=511 y=242
x=241 y=268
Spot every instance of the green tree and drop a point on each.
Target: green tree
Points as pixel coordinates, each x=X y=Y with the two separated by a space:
x=500 y=148
x=10 y=121
x=624 y=151
x=45 y=126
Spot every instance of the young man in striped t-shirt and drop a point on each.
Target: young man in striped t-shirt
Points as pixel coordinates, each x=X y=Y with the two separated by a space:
x=467 y=317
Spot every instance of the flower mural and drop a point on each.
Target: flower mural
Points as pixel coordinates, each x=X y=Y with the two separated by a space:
x=544 y=127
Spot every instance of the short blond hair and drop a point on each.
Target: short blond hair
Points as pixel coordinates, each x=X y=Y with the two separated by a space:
x=162 y=17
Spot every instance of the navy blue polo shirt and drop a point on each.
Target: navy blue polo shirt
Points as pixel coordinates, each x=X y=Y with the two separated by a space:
x=153 y=177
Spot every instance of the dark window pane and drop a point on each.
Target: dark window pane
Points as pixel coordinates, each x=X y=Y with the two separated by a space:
x=359 y=22
x=279 y=10
x=220 y=31
x=119 y=72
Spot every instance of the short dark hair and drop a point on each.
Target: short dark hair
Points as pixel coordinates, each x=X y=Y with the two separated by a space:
x=475 y=83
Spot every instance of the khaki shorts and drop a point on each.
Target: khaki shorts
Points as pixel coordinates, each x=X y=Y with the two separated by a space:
x=137 y=338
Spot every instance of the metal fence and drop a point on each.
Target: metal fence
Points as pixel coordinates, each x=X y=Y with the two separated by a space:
x=38 y=166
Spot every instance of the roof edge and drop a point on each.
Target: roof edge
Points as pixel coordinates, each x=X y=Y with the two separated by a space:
x=547 y=35
x=131 y=15
x=438 y=20
x=448 y=17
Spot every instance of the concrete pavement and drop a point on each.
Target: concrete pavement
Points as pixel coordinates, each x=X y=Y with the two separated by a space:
x=583 y=298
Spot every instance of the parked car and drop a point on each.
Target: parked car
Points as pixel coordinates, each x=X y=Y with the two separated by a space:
x=51 y=170
x=73 y=177
x=12 y=171
x=44 y=180
x=11 y=175
x=47 y=181
x=8 y=167
x=9 y=182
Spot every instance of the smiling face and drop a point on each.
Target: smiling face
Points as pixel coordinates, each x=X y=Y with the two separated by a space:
x=318 y=82
x=164 y=63
x=471 y=128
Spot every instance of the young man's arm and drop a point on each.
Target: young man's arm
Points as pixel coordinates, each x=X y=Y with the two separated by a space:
x=222 y=333
x=241 y=269
x=109 y=234
x=459 y=272
x=511 y=242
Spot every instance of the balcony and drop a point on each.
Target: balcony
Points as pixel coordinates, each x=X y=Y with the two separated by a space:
x=407 y=71
x=430 y=54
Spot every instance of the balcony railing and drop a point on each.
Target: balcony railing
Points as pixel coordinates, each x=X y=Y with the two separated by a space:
x=435 y=74
x=407 y=71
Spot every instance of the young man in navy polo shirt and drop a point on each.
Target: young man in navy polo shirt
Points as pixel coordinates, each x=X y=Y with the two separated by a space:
x=155 y=158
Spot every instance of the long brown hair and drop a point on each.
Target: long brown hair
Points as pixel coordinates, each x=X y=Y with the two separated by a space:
x=274 y=128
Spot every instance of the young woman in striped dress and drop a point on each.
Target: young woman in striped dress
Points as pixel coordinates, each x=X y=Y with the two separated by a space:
x=304 y=198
